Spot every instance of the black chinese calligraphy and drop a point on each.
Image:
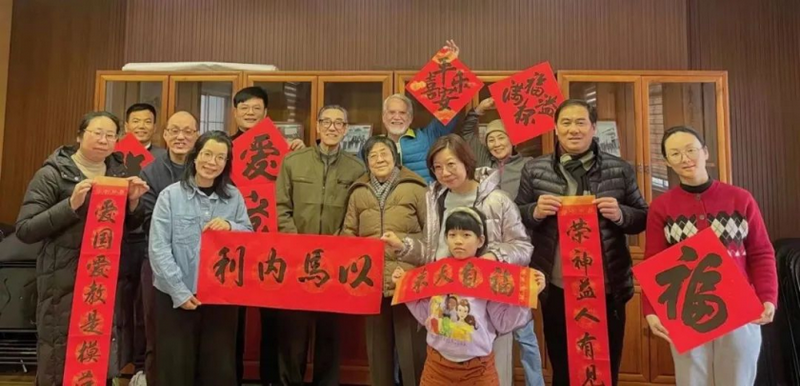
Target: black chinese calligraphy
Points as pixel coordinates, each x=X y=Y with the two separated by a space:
x=439 y=90
x=95 y=293
x=579 y=230
x=107 y=211
x=584 y=313
x=585 y=289
x=470 y=275
x=226 y=264
x=582 y=260
x=362 y=276
x=529 y=99
x=85 y=378
x=312 y=267
x=274 y=265
x=91 y=323
x=102 y=238
x=421 y=281
x=264 y=160
x=702 y=310
x=88 y=352
x=586 y=345
x=134 y=163
x=501 y=282
x=444 y=276
x=591 y=377
x=99 y=267
x=259 y=216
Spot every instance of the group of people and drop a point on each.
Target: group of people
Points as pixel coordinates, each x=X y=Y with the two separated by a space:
x=429 y=194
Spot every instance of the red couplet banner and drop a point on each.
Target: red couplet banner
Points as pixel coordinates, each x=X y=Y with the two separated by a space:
x=475 y=277
x=91 y=320
x=291 y=271
x=444 y=86
x=135 y=156
x=584 y=292
x=697 y=291
x=527 y=101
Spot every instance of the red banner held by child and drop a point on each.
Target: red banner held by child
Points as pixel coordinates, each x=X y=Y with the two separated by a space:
x=584 y=292
x=475 y=277
x=444 y=86
x=135 y=156
x=92 y=316
x=527 y=102
x=697 y=291
x=291 y=271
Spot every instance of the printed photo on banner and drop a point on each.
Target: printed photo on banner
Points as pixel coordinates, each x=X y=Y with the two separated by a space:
x=355 y=138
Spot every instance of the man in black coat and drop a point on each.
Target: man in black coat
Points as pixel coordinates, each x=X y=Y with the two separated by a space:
x=577 y=168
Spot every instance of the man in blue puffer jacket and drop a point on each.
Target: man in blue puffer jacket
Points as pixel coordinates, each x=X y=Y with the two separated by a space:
x=413 y=144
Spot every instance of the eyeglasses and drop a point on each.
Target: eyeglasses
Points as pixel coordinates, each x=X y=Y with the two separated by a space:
x=245 y=108
x=675 y=156
x=174 y=131
x=326 y=124
x=100 y=134
x=207 y=156
x=382 y=155
x=450 y=166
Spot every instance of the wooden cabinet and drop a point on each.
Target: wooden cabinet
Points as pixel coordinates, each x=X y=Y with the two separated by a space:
x=292 y=103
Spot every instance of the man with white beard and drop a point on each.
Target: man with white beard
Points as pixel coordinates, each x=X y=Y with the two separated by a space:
x=413 y=144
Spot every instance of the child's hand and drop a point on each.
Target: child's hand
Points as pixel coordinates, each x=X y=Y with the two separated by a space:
x=397 y=274
x=540 y=280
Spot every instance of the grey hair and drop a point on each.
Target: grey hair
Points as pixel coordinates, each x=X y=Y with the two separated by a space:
x=400 y=97
x=332 y=107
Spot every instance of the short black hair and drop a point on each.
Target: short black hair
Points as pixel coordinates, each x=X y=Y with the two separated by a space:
x=376 y=139
x=139 y=107
x=223 y=181
x=679 y=129
x=462 y=220
x=248 y=93
x=577 y=102
x=89 y=117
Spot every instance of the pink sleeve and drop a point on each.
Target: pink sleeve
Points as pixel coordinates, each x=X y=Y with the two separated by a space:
x=420 y=309
x=506 y=318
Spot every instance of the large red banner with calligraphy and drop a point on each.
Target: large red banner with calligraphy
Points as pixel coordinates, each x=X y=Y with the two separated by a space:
x=257 y=158
x=475 y=277
x=134 y=155
x=700 y=294
x=444 y=86
x=584 y=292
x=91 y=320
x=291 y=271
x=527 y=102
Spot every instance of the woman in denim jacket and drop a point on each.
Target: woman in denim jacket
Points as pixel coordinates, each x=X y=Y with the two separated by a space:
x=195 y=345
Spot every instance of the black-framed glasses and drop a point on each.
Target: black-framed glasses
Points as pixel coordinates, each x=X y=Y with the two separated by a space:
x=326 y=124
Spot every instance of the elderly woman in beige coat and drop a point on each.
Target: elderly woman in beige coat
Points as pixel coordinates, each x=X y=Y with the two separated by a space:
x=389 y=198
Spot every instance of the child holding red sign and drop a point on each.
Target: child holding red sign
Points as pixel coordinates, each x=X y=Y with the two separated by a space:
x=461 y=329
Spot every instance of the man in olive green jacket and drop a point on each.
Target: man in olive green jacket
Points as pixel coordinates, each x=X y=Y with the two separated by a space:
x=311 y=198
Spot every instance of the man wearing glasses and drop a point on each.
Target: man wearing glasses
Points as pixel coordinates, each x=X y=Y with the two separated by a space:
x=180 y=135
x=311 y=198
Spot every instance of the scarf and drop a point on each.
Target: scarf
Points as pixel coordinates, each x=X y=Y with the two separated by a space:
x=382 y=189
x=578 y=167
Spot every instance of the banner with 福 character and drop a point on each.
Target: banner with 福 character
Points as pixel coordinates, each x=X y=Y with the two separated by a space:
x=91 y=319
x=444 y=85
x=257 y=158
x=475 y=277
x=584 y=292
x=527 y=102
x=697 y=291
x=291 y=271
x=134 y=154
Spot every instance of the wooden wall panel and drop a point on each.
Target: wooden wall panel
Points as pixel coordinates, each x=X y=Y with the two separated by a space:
x=392 y=35
x=758 y=43
x=5 y=51
x=56 y=47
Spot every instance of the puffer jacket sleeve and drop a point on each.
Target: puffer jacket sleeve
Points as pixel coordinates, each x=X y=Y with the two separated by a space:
x=350 y=224
x=514 y=246
x=634 y=208
x=42 y=213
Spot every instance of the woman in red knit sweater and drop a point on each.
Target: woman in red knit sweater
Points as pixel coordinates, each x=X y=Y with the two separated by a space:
x=699 y=203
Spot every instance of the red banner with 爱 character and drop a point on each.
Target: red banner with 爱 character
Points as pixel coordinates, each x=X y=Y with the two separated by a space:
x=91 y=320
x=584 y=292
x=257 y=158
x=444 y=86
x=134 y=155
x=291 y=271
x=475 y=277
x=699 y=293
x=527 y=102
